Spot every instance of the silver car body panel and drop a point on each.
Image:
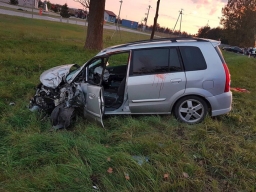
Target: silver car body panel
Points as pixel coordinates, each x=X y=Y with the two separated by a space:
x=220 y=103
x=154 y=93
x=54 y=76
x=94 y=103
x=148 y=100
x=213 y=74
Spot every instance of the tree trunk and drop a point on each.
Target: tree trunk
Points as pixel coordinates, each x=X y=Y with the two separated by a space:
x=94 y=38
x=155 y=20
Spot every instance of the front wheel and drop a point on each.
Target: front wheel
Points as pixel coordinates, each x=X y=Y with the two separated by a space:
x=191 y=109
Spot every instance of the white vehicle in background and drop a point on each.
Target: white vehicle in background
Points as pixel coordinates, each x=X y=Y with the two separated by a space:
x=252 y=51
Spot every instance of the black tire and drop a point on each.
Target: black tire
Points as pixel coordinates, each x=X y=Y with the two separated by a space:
x=190 y=109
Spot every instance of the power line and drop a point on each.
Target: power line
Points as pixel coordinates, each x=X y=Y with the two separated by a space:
x=190 y=14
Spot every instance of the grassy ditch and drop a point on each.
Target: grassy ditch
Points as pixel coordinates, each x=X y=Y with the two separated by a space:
x=132 y=153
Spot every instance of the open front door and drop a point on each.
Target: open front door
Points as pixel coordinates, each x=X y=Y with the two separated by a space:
x=94 y=103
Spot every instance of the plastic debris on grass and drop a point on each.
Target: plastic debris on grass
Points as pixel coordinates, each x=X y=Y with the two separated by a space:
x=166 y=176
x=126 y=176
x=185 y=175
x=140 y=159
x=95 y=187
x=110 y=170
x=11 y=103
x=237 y=89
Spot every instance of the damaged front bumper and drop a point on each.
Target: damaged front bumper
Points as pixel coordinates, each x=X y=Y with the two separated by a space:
x=58 y=98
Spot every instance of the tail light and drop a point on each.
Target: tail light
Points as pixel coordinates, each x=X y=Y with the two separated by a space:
x=228 y=79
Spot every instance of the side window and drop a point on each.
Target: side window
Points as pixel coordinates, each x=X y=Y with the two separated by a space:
x=118 y=59
x=174 y=60
x=117 y=67
x=150 y=61
x=193 y=58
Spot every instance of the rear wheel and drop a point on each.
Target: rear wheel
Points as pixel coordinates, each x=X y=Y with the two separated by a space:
x=191 y=109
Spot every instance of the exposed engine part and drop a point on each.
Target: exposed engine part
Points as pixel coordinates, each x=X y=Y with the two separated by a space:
x=60 y=103
x=44 y=98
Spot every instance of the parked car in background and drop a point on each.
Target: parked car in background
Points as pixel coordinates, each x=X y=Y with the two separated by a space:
x=237 y=50
x=252 y=52
x=81 y=14
x=185 y=76
x=233 y=49
x=72 y=11
x=226 y=48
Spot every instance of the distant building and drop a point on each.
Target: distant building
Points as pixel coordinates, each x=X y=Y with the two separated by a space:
x=130 y=24
x=25 y=3
x=109 y=16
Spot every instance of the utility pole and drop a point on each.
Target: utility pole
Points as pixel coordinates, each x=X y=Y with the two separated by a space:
x=147 y=15
x=180 y=19
x=33 y=6
x=180 y=16
x=119 y=11
x=118 y=21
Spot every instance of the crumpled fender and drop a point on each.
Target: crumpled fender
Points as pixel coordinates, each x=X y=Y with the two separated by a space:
x=54 y=76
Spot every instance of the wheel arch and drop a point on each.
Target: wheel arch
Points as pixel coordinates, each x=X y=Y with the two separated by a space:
x=195 y=95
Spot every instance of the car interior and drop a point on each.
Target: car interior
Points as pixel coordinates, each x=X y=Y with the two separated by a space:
x=112 y=79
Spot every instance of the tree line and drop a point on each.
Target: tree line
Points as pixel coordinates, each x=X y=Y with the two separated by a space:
x=239 y=24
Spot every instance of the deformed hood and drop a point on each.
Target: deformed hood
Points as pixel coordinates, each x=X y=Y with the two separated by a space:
x=54 y=76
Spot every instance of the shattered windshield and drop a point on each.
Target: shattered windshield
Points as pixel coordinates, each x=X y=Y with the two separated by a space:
x=96 y=62
x=73 y=73
x=93 y=64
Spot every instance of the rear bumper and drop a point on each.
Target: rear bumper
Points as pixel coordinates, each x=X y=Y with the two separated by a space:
x=220 y=104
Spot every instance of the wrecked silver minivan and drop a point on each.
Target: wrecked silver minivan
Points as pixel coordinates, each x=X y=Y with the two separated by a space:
x=188 y=77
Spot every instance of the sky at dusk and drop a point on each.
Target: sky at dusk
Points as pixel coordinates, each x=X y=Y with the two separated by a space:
x=196 y=13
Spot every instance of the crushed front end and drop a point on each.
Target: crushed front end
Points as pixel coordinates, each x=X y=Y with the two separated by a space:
x=58 y=98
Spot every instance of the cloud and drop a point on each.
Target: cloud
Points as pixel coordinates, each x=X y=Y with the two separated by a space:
x=203 y=3
x=213 y=10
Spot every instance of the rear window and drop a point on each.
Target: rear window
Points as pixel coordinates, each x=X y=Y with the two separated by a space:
x=220 y=54
x=193 y=58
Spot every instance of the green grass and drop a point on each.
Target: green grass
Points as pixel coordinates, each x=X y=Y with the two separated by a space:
x=216 y=155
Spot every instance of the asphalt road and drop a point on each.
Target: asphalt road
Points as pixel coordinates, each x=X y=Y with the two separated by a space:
x=52 y=17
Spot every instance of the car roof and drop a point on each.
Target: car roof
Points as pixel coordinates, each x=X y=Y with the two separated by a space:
x=161 y=42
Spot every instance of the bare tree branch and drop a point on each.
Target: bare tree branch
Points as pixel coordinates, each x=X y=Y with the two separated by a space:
x=84 y=3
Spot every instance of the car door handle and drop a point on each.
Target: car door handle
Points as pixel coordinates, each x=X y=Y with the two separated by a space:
x=91 y=96
x=176 y=80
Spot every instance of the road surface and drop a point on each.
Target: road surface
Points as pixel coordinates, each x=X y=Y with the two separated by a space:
x=52 y=17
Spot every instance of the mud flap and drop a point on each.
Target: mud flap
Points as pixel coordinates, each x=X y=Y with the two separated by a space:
x=62 y=116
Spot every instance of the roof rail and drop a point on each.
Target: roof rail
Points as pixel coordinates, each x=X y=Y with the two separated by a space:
x=175 y=39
